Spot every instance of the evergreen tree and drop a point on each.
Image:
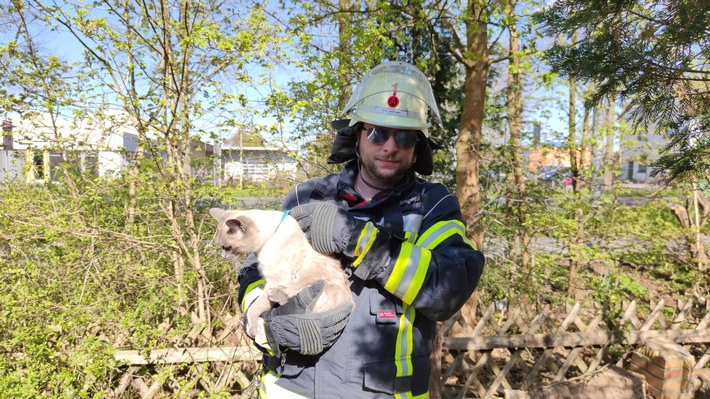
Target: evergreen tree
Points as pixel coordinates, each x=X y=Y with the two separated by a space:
x=654 y=54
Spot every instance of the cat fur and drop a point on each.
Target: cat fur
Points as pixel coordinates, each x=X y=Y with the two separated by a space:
x=287 y=262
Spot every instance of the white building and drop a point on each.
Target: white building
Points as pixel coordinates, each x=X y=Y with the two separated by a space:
x=256 y=164
x=637 y=156
x=35 y=145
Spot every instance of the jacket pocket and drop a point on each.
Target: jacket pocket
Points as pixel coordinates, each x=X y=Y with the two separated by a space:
x=381 y=376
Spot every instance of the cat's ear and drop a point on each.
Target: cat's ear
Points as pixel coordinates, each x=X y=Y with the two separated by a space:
x=236 y=226
x=217 y=213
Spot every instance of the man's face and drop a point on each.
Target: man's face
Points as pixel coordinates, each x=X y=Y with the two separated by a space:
x=383 y=159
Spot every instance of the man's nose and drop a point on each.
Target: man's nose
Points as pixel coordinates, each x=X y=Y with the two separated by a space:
x=390 y=144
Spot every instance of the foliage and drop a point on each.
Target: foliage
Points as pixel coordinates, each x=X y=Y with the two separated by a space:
x=689 y=145
x=653 y=53
x=76 y=288
x=93 y=265
x=623 y=244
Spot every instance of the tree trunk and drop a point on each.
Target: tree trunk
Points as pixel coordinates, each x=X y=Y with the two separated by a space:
x=595 y=151
x=435 y=382
x=572 y=148
x=135 y=169
x=515 y=123
x=468 y=142
x=134 y=173
x=345 y=52
x=700 y=256
x=609 y=147
x=581 y=174
x=692 y=218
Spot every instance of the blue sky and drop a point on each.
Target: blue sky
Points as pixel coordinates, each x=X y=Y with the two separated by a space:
x=66 y=46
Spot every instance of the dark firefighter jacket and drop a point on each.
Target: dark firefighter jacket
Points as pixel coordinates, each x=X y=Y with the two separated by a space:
x=420 y=268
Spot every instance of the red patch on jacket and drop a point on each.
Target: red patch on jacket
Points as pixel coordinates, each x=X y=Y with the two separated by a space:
x=387 y=314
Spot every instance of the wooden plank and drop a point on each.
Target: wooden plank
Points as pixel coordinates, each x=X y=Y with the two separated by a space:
x=653 y=316
x=473 y=377
x=456 y=363
x=701 y=363
x=484 y=320
x=501 y=375
x=189 y=355
x=515 y=394
x=532 y=376
x=450 y=323
x=704 y=322
x=511 y=320
x=495 y=326
x=635 y=321
x=682 y=314
x=573 y=355
x=581 y=365
x=125 y=382
x=627 y=315
x=654 y=392
x=573 y=339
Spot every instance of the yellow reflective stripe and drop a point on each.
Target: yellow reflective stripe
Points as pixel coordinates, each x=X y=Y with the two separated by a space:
x=417 y=281
x=406 y=280
x=252 y=292
x=400 y=267
x=408 y=395
x=269 y=390
x=440 y=231
x=410 y=269
x=260 y=339
x=403 y=350
x=409 y=272
x=411 y=224
x=364 y=242
x=410 y=237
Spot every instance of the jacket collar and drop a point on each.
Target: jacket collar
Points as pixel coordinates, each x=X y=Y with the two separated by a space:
x=346 y=184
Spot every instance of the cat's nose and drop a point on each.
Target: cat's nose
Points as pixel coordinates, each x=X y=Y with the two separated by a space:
x=226 y=249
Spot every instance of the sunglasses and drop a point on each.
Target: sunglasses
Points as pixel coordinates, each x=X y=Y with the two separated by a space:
x=379 y=136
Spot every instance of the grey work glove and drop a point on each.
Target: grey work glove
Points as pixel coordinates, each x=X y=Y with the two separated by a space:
x=330 y=228
x=293 y=326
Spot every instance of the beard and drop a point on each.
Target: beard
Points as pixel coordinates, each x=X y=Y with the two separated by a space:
x=387 y=177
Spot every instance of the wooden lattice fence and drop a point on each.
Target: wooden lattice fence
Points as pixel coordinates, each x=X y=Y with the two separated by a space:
x=503 y=351
x=499 y=350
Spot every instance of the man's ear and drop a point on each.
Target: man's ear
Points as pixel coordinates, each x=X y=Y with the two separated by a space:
x=357 y=143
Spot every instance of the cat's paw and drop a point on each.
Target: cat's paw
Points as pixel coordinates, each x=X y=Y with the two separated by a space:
x=278 y=295
x=252 y=326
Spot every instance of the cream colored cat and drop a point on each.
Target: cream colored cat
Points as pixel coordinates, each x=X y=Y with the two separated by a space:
x=287 y=262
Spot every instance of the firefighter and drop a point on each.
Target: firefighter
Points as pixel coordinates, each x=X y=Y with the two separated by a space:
x=400 y=239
